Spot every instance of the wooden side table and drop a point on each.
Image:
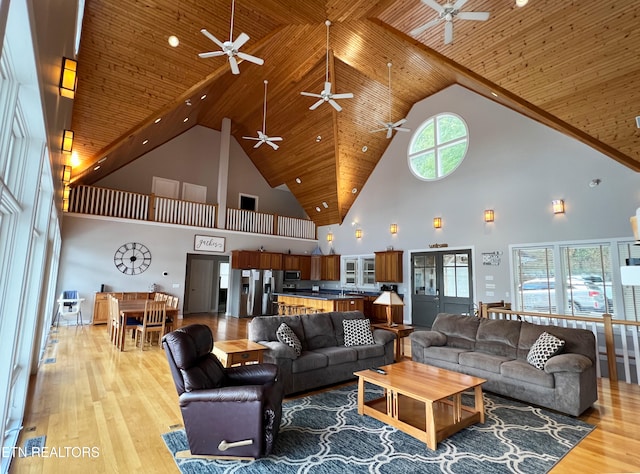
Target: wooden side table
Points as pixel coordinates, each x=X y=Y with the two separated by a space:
x=238 y=351
x=401 y=331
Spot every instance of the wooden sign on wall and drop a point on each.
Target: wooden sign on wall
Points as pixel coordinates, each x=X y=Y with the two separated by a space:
x=208 y=243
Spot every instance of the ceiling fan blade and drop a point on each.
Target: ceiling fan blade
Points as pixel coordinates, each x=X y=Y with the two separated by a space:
x=310 y=94
x=258 y=144
x=448 y=32
x=459 y=4
x=327 y=88
x=389 y=132
x=234 y=65
x=346 y=95
x=435 y=5
x=275 y=139
x=401 y=129
x=240 y=41
x=251 y=59
x=211 y=37
x=399 y=122
x=316 y=105
x=251 y=138
x=378 y=130
x=335 y=105
x=272 y=145
x=419 y=30
x=211 y=54
x=479 y=16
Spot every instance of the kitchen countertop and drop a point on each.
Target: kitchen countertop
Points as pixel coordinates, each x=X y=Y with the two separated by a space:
x=319 y=295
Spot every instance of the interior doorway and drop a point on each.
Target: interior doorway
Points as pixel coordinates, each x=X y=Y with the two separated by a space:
x=441 y=282
x=207 y=283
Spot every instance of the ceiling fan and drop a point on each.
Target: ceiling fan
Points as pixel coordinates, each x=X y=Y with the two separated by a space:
x=326 y=95
x=390 y=126
x=262 y=135
x=230 y=48
x=448 y=12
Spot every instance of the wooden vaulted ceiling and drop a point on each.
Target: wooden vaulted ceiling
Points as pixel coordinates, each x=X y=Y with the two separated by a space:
x=572 y=65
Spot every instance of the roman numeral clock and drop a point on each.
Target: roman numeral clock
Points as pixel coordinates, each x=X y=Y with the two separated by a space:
x=132 y=258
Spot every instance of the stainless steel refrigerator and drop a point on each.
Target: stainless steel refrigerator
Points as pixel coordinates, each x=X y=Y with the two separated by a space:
x=255 y=292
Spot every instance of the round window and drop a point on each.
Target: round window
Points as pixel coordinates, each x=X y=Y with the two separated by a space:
x=438 y=147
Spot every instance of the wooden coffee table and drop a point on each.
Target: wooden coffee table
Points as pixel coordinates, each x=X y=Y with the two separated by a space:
x=423 y=401
x=238 y=351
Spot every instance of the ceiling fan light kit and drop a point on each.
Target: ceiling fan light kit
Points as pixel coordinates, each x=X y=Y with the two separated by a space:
x=448 y=12
x=262 y=135
x=231 y=48
x=326 y=95
x=390 y=126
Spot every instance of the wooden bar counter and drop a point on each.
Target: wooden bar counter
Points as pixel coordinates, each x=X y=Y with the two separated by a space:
x=322 y=301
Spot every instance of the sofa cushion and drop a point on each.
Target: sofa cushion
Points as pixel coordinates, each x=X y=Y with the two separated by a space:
x=460 y=330
x=286 y=335
x=544 y=349
x=367 y=352
x=338 y=355
x=357 y=332
x=309 y=360
x=498 y=337
x=318 y=331
x=337 y=317
x=263 y=328
x=482 y=360
x=522 y=371
x=450 y=354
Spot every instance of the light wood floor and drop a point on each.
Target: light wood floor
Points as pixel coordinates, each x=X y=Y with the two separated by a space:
x=104 y=411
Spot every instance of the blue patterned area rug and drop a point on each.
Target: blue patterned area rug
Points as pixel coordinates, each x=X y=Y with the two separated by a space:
x=323 y=433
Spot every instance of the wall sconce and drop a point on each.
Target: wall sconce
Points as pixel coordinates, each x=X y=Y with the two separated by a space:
x=558 y=206
x=67 y=141
x=330 y=237
x=68 y=78
x=488 y=215
x=393 y=228
x=66 y=174
x=358 y=233
x=437 y=222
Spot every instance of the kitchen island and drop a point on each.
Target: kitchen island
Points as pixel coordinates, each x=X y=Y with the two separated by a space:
x=321 y=301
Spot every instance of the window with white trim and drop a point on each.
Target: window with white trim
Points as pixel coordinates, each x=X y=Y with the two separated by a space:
x=358 y=272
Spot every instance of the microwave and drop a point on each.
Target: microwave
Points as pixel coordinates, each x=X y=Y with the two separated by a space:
x=291 y=275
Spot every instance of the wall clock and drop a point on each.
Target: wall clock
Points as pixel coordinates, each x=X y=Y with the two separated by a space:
x=132 y=258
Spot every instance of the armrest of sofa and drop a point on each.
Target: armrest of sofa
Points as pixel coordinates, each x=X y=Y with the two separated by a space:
x=567 y=363
x=279 y=350
x=380 y=336
x=428 y=338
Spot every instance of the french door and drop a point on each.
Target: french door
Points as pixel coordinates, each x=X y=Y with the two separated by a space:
x=440 y=283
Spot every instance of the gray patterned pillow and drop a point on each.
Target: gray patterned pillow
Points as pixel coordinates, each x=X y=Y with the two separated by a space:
x=286 y=336
x=357 y=332
x=544 y=349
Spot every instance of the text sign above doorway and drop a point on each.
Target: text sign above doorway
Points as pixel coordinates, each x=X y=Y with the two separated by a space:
x=208 y=243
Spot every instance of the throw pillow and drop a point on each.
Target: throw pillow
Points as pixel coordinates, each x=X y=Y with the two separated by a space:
x=357 y=332
x=544 y=349
x=286 y=336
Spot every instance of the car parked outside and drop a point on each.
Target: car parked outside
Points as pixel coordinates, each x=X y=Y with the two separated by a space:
x=582 y=297
x=597 y=282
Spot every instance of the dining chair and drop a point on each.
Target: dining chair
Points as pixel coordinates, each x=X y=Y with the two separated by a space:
x=157 y=297
x=153 y=321
x=172 y=302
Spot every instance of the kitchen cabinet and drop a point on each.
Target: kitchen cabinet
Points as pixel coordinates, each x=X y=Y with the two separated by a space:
x=245 y=259
x=351 y=304
x=305 y=267
x=316 y=267
x=330 y=268
x=291 y=262
x=270 y=261
x=389 y=266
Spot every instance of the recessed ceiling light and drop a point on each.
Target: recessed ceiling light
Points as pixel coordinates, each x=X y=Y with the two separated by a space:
x=186 y=119
x=96 y=168
x=102 y=160
x=145 y=142
x=638 y=121
x=324 y=203
x=318 y=138
x=521 y=3
x=174 y=41
x=203 y=96
x=157 y=120
x=188 y=102
x=364 y=149
x=494 y=94
x=317 y=209
x=354 y=190
x=298 y=180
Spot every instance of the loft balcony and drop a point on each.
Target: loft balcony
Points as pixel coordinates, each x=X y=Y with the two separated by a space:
x=107 y=202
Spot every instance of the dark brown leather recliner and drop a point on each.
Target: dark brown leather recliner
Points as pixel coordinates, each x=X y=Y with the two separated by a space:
x=232 y=411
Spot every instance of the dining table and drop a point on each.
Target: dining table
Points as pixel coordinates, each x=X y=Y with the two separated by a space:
x=135 y=309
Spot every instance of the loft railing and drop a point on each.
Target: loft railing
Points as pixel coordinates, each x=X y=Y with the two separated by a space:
x=114 y=203
x=616 y=340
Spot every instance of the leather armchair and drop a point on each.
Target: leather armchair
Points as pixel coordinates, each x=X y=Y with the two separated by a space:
x=227 y=412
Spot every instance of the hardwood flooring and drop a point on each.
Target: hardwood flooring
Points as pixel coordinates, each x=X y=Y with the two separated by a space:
x=104 y=411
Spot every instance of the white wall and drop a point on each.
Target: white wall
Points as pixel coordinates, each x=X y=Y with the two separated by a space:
x=89 y=244
x=513 y=165
x=193 y=157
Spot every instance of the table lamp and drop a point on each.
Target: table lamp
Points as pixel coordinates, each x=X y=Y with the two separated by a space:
x=389 y=298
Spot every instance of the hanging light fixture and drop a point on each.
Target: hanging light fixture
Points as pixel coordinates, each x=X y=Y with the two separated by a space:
x=68 y=78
